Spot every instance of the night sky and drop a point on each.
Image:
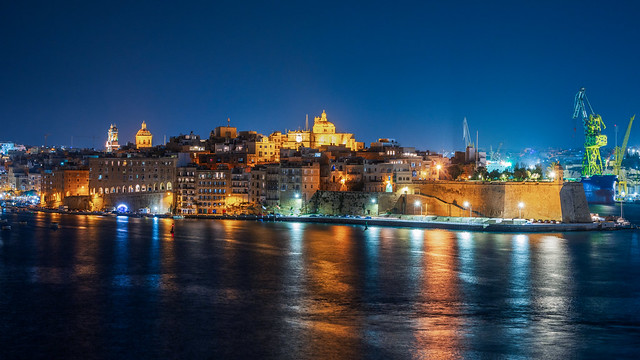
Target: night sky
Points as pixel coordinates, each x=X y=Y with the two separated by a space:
x=404 y=70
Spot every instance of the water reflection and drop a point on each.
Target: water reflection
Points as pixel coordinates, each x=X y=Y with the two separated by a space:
x=237 y=289
x=438 y=330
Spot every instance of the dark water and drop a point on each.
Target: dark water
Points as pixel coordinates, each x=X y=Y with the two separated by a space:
x=104 y=287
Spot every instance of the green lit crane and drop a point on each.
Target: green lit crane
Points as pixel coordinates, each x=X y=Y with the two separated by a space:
x=617 y=162
x=593 y=139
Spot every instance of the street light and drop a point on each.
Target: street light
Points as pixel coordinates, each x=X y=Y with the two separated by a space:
x=467 y=205
x=520 y=207
x=417 y=203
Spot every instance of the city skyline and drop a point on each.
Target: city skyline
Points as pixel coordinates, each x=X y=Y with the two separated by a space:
x=511 y=69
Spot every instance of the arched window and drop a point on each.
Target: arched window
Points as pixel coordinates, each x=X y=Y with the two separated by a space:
x=106 y=190
x=124 y=189
x=130 y=188
x=169 y=185
x=144 y=188
x=113 y=190
x=137 y=188
x=161 y=186
x=100 y=189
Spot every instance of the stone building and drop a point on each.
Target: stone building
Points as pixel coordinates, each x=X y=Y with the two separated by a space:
x=202 y=191
x=297 y=183
x=322 y=135
x=59 y=184
x=258 y=185
x=134 y=183
x=144 y=139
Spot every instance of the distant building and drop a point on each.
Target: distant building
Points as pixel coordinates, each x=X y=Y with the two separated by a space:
x=112 y=139
x=144 y=137
x=322 y=135
x=59 y=184
x=133 y=183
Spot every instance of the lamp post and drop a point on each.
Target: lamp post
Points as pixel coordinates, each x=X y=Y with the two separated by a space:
x=417 y=203
x=520 y=207
x=374 y=202
x=468 y=205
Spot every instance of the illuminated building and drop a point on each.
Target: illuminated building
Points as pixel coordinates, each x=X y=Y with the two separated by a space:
x=345 y=175
x=143 y=137
x=297 y=183
x=202 y=191
x=239 y=189
x=322 y=135
x=112 y=139
x=388 y=176
x=258 y=185
x=137 y=182
x=60 y=184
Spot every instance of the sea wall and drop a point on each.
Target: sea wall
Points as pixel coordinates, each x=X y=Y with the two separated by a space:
x=540 y=200
x=352 y=203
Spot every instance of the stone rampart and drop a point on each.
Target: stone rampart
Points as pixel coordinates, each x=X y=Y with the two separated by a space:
x=541 y=200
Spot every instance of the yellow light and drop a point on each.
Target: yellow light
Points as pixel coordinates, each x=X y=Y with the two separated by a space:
x=438 y=166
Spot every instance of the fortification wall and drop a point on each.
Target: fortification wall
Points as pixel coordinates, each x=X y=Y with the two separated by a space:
x=542 y=200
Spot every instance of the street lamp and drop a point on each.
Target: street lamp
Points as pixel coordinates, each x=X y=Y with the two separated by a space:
x=520 y=207
x=467 y=205
x=417 y=203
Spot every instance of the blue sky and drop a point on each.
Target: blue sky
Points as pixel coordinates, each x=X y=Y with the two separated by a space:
x=406 y=70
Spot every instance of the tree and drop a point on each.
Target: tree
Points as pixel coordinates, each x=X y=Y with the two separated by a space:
x=520 y=173
x=494 y=175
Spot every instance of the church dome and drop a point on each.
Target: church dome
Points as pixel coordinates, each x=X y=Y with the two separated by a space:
x=143 y=131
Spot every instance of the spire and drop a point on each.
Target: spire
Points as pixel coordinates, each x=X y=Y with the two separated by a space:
x=144 y=125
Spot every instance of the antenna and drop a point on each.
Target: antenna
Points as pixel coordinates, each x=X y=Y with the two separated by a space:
x=228 y=122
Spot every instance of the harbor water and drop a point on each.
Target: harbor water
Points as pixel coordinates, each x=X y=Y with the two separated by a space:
x=103 y=287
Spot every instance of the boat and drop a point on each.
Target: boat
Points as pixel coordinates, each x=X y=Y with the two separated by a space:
x=599 y=189
x=6 y=227
x=178 y=217
x=55 y=225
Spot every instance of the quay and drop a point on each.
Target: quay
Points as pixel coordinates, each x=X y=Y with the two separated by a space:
x=424 y=222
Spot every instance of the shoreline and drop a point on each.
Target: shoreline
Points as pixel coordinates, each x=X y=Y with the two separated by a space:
x=411 y=221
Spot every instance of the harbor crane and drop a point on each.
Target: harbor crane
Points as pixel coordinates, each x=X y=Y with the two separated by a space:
x=619 y=153
x=593 y=139
x=466 y=134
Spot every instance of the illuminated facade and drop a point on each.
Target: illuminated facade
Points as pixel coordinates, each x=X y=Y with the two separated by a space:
x=60 y=184
x=322 y=135
x=112 y=139
x=137 y=183
x=143 y=137
x=202 y=191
